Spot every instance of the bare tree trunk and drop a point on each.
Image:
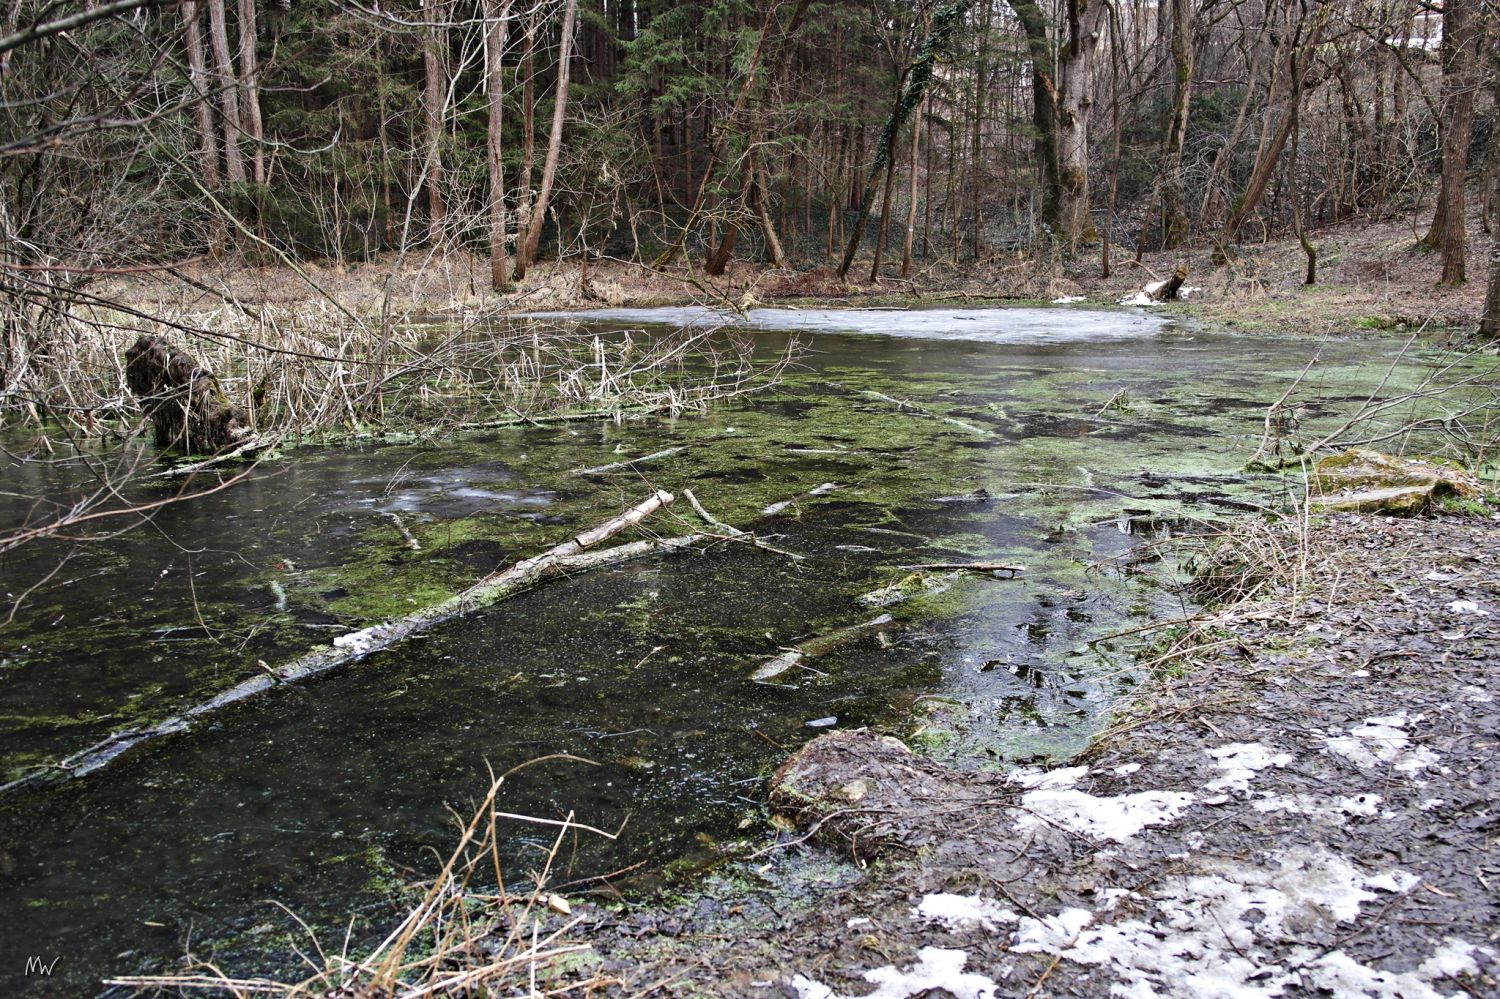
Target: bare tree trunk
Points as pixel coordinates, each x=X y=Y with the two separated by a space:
x=433 y=86
x=1309 y=249
x=203 y=112
x=250 y=89
x=1107 y=237
x=767 y=227
x=218 y=36
x=976 y=136
x=496 y=22
x=528 y=131
x=718 y=260
x=1489 y=323
x=1298 y=56
x=1075 y=99
x=911 y=204
x=1461 y=33
x=1174 y=216
x=526 y=246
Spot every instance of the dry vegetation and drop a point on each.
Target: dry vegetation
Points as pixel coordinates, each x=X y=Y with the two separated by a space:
x=472 y=931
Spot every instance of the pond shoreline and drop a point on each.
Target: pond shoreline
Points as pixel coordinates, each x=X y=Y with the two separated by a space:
x=1321 y=784
x=1302 y=800
x=1374 y=279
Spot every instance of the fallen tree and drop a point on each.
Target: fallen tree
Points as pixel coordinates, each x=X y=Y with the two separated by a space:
x=569 y=557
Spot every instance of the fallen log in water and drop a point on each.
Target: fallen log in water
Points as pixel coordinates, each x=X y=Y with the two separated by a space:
x=820 y=645
x=965 y=567
x=570 y=556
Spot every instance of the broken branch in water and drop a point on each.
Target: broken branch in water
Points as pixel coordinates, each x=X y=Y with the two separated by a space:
x=966 y=567
x=710 y=519
x=616 y=466
x=254 y=445
x=820 y=645
x=570 y=556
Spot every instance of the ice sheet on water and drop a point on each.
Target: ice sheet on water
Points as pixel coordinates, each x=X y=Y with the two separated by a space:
x=997 y=325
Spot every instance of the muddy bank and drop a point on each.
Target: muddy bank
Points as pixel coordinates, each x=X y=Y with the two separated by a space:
x=1307 y=805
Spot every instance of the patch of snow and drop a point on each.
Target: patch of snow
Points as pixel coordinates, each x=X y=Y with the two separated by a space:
x=1319 y=806
x=1070 y=299
x=1428 y=804
x=359 y=642
x=1115 y=818
x=1052 y=933
x=823 y=490
x=1139 y=298
x=1211 y=932
x=1240 y=762
x=1381 y=740
x=1343 y=976
x=936 y=968
x=1360 y=804
x=1476 y=695
x=859 y=921
x=1468 y=607
x=962 y=912
x=1455 y=957
x=1061 y=777
x=1125 y=769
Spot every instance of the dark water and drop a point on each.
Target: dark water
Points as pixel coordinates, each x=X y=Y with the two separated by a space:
x=1083 y=429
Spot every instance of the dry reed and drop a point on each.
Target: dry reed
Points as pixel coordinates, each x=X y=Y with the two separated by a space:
x=464 y=936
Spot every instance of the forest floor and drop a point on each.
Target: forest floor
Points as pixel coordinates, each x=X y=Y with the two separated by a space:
x=1309 y=804
x=1371 y=276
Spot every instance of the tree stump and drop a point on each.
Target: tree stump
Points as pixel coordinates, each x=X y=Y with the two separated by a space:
x=187 y=408
x=1167 y=291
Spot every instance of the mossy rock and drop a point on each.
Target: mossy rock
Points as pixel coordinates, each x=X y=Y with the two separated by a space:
x=1372 y=482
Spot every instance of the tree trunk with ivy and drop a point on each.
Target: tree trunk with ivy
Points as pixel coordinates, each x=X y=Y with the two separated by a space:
x=1179 y=15
x=945 y=21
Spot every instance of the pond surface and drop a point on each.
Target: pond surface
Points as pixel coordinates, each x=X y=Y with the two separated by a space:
x=1058 y=439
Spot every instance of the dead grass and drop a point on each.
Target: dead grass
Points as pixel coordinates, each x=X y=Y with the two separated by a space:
x=469 y=934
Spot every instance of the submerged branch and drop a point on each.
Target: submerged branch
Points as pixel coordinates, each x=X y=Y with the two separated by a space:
x=819 y=645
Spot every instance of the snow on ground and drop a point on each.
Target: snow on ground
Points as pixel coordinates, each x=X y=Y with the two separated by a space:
x=936 y=968
x=1232 y=930
x=1382 y=740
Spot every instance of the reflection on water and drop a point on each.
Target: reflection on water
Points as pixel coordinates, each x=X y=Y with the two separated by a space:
x=328 y=796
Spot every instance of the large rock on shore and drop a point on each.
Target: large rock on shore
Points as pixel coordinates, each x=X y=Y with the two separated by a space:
x=1366 y=481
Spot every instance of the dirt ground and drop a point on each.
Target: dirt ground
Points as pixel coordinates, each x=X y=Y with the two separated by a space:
x=1312 y=807
x=1371 y=276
